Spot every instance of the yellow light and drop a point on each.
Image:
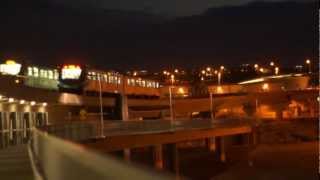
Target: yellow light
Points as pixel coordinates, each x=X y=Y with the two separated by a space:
x=10 y=62
x=203 y=71
x=44 y=104
x=202 y=78
x=215 y=72
x=22 y=101
x=164 y=72
x=135 y=73
x=256 y=66
x=0 y=97
x=208 y=69
x=17 y=81
x=219 y=90
x=261 y=70
x=271 y=63
x=11 y=100
x=176 y=71
x=222 y=67
x=265 y=87
x=181 y=90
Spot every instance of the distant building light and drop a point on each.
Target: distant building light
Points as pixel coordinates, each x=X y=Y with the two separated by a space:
x=256 y=66
x=181 y=90
x=11 y=100
x=176 y=71
x=44 y=104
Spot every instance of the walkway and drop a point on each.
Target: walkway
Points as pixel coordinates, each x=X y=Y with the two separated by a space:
x=15 y=163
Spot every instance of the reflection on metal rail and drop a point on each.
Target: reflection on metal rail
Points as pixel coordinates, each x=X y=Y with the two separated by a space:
x=54 y=158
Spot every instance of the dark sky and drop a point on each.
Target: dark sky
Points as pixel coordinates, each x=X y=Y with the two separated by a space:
x=171 y=8
x=120 y=34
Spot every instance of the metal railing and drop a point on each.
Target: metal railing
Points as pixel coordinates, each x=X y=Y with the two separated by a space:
x=54 y=158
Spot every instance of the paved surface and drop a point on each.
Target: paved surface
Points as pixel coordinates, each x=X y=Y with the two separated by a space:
x=278 y=162
x=164 y=126
x=15 y=163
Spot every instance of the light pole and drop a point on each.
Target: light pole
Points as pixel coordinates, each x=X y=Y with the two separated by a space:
x=308 y=62
x=219 y=78
x=170 y=98
x=101 y=108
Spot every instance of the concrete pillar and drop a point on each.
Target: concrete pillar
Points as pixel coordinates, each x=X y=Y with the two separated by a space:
x=211 y=144
x=173 y=157
x=158 y=157
x=127 y=155
x=220 y=143
x=124 y=108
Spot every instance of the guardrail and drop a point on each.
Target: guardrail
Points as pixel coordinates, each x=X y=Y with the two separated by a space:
x=54 y=158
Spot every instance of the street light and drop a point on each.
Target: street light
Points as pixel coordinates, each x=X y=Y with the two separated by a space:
x=271 y=63
x=276 y=70
x=222 y=67
x=256 y=66
x=308 y=62
x=219 y=78
x=101 y=107
x=170 y=97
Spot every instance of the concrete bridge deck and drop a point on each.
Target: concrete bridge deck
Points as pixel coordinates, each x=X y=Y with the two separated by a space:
x=139 y=134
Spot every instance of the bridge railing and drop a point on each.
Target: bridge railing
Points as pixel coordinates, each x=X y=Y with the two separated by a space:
x=54 y=158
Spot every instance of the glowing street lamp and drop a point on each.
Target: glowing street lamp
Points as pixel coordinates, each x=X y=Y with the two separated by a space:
x=271 y=63
x=308 y=62
x=256 y=66
x=176 y=71
x=222 y=67
x=276 y=70
x=261 y=70
x=208 y=69
x=203 y=72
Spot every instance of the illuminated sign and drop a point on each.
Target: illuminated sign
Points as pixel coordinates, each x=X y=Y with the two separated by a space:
x=10 y=67
x=71 y=72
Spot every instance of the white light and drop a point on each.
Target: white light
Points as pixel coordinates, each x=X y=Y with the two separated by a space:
x=22 y=101
x=32 y=103
x=44 y=104
x=71 y=72
x=265 y=86
x=11 y=100
x=10 y=67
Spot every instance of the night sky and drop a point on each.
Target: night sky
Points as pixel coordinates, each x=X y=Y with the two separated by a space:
x=153 y=34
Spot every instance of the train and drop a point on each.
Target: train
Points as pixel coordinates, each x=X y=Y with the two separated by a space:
x=80 y=79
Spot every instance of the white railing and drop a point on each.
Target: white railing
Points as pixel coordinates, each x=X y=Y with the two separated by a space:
x=54 y=158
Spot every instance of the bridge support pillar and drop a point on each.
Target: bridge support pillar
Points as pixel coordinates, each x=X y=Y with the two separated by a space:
x=173 y=157
x=127 y=155
x=211 y=144
x=124 y=108
x=158 y=156
x=220 y=143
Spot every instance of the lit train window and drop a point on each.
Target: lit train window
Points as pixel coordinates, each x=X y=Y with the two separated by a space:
x=10 y=67
x=35 y=72
x=119 y=80
x=56 y=74
x=71 y=72
x=50 y=74
x=30 y=71
x=43 y=73
x=143 y=83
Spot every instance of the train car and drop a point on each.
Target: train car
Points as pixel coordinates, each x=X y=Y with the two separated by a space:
x=141 y=87
x=72 y=78
x=77 y=79
x=109 y=82
x=30 y=75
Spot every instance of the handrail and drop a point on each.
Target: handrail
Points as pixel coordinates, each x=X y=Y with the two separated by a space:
x=55 y=158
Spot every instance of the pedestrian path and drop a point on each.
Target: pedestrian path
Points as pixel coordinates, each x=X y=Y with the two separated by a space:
x=15 y=163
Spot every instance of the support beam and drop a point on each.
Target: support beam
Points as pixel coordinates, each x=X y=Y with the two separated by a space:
x=158 y=157
x=220 y=142
x=127 y=155
x=211 y=144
